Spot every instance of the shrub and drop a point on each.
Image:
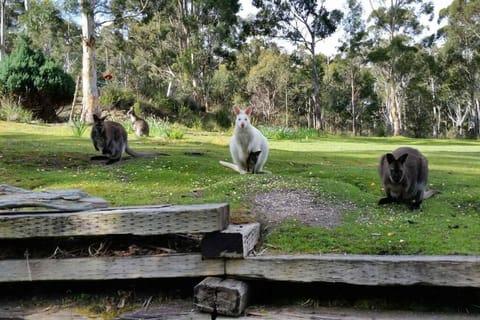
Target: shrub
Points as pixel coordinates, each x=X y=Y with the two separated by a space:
x=36 y=81
x=12 y=111
x=282 y=133
x=175 y=134
x=114 y=97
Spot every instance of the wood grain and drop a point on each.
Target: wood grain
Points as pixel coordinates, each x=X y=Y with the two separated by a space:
x=142 y=220
x=107 y=268
x=64 y=200
x=455 y=271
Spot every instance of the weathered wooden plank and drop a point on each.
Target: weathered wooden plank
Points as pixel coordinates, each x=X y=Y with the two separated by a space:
x=237 y=241
x=107 y=268
x=221 y=296
x=142 y=220
x=455 y=271
x=64 y=200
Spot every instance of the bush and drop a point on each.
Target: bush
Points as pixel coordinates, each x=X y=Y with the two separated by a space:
x=223 y=118
x=113 y=97
x=37 y=82
x=12 y=111
x=282 y=133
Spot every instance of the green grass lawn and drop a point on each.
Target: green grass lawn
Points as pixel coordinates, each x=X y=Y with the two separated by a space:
x=336 y=169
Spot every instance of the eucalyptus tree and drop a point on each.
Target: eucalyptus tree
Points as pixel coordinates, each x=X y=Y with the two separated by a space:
x=268 y=83
x=183 y=44
x=304 y=23
x=395 y=25
x=54 y=32
x=354 y=52
x=462 y=56
x=3 y=8
x=9 y=24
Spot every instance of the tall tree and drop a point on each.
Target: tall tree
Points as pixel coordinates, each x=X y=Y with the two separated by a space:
x=395 y=24
x=303 y=22
x=461 y=51
x=268 y=82
x=183 y=43
x=3 y=8
x=354 y=50
x=89 y=71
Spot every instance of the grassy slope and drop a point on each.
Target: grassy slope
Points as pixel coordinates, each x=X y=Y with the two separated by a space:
x=337 y=169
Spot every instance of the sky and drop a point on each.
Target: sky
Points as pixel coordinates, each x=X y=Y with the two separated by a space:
x=329 y=45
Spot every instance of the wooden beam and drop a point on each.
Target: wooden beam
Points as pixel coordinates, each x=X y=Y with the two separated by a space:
x=64 y=200
x=454 y=271
x=237 y=241
x=222 y=296
x=142 y=220
x=107 y=268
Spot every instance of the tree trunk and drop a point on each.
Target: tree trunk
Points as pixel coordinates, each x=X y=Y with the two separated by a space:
x=2 y=29
x=316 y=94
x=89 y=73
x=352 y=101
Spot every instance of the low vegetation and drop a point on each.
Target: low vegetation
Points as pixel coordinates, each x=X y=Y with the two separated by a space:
x=338 y=170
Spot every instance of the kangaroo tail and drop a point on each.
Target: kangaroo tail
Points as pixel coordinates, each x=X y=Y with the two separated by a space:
x=430 y=193
x=132 y=153
x=233 y=167
x=138 y=154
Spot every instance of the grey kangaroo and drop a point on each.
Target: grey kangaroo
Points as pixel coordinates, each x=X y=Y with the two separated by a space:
x=111 y=139
x=404 y=175
x=140 y=126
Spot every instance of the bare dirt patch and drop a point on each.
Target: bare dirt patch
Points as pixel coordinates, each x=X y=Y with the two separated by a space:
x=274 y=207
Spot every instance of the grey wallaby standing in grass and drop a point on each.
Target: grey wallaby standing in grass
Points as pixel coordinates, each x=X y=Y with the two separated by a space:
x=404 y=175
x=110 y=138
x=140 y=126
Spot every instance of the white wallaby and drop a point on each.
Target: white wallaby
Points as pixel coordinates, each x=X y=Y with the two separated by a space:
x=248 y=146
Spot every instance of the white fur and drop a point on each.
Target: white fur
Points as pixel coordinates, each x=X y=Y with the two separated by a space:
x=246 y=139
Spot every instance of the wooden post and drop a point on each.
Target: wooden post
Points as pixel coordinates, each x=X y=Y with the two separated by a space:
x=237 y=241
x=221 y=296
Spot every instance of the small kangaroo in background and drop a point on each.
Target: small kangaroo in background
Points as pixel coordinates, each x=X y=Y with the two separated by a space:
x=248 y=147
x=140 y=126
x=404 y=175
x=111 y=139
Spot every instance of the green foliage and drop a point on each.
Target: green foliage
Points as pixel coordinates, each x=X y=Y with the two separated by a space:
x=35 y=80
x=78 y=127
x=282 y=133
x=114 y=97
x=223 y=118
x=12 y=111
x=175 y=133
x=158 y=127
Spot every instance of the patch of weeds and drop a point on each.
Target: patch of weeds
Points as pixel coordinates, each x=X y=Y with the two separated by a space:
x=175 y=134
x=284 y=133
x=78 y=127
x=158 y=126
x=13 y=111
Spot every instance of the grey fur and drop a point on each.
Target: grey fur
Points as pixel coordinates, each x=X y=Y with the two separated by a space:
x=404 y=175
x=140 y=126
x=110 y=138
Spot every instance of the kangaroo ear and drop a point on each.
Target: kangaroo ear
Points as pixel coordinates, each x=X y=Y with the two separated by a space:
x=248 y=111
x=236 y=110
x=402 y=158
x=390 y=158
